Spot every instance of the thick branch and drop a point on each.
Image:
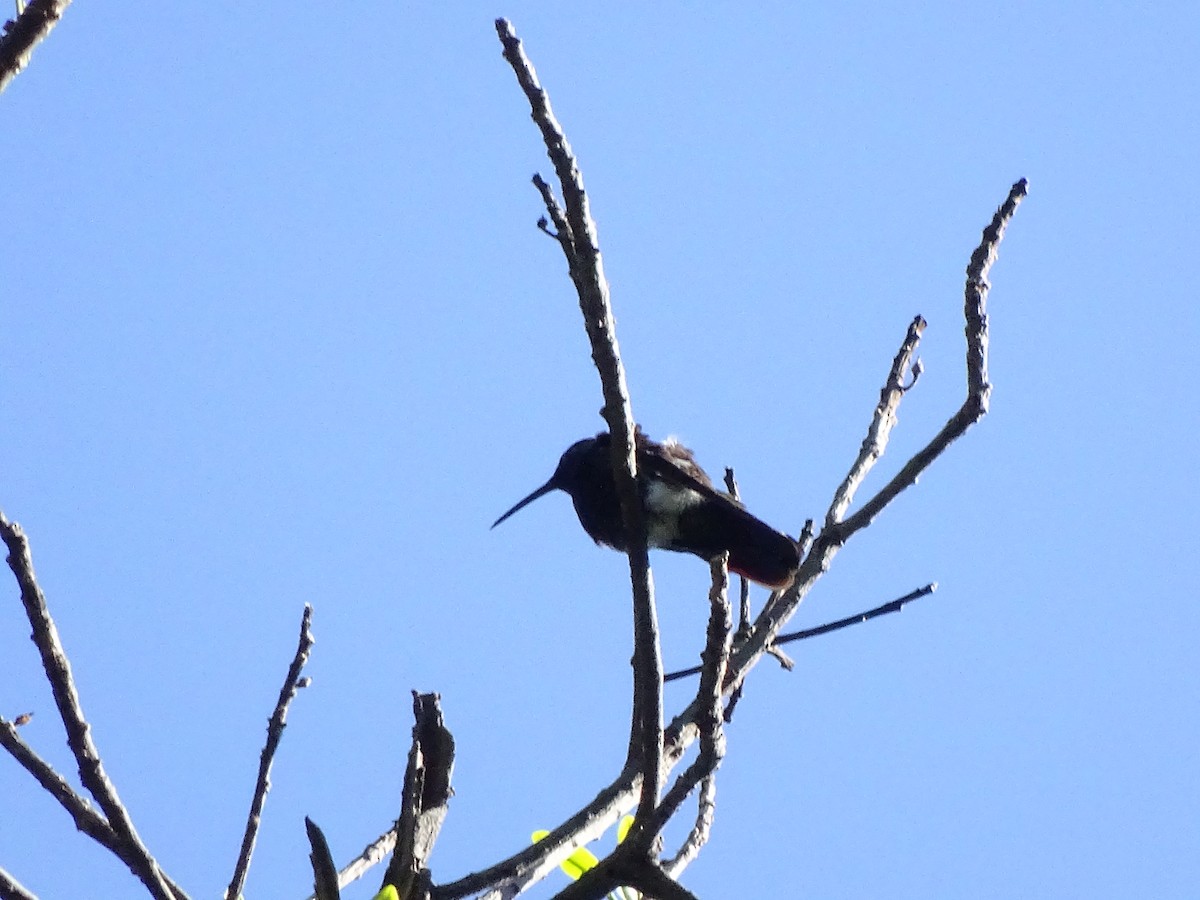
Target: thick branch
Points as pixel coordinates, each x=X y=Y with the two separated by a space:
x=626 y=867
x=275 y=726
x=509 y=877
x=23 y=34
x=62 y=685
x=576 y=234
x=11 y=889
x=582 y=249
x=426 y=796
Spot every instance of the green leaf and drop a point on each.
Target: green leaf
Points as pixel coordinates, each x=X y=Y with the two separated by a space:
x=623 y=828
x=575 y=864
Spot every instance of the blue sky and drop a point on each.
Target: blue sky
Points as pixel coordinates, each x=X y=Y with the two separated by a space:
x=278 y=328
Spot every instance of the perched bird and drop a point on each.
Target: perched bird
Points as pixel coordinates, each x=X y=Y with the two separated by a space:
x=682 y=509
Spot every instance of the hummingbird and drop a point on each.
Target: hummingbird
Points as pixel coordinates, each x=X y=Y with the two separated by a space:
x=683 y=511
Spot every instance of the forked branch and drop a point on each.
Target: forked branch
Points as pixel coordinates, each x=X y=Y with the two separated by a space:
x=62 y=685
x=580 y=242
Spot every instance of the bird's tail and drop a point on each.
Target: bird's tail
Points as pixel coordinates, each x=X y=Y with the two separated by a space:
x=756 y=550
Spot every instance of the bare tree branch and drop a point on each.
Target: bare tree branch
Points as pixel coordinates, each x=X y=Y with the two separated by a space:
x=11 y=889
x=275 y=727
x=892 y=606
x=24 y=33
x=426 y=797
x=373 y=854
x=87 y=819
x=884 y=420
x=743 y=583
x=562 y=227
x=835 y=534
x=652 y=881
x=979 y=389
x=712 y=735
x=708 y=702
x=577 y=234
x=629 y=868
x=509 y=877
x=62 y=685
x=325 y=878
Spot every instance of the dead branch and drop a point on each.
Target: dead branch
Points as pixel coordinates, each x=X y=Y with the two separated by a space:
x=325 y=877
x=86 y=818
x=580 y=242
x=626 y=867
x=979 y=389
x=703 y=771
x=91 y=769
x=373 y=854
x=708 y=702
x=510 y=877
x=882 y=423
x=275 y=725
x=22 y=34
x=11 y=889
x=743 y=584
x=892 y=606
x=835 y=532
x=426 y=796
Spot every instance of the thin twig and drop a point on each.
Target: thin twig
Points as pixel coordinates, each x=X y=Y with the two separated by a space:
x=561 y=226
x=587 y=272
x=875 y=442
x=979 y=389
x=709 y=721
x=87 y=819
x=706 y=809
x=892 y=606
x=835 y=534
x=275 y=727
x=743 y=583
x=712 y=734
x=66 y=697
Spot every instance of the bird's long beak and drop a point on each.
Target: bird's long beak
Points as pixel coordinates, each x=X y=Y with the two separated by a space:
x=540 y=492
